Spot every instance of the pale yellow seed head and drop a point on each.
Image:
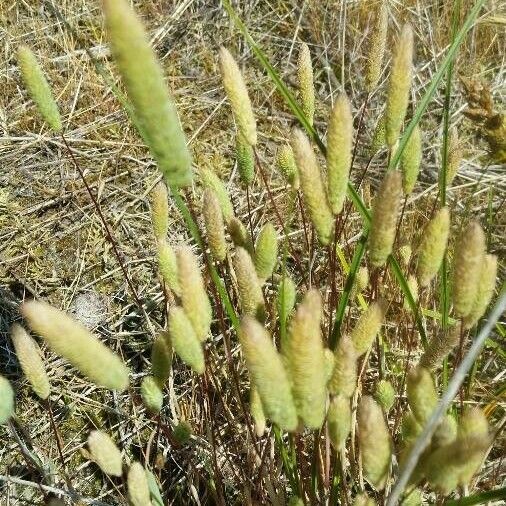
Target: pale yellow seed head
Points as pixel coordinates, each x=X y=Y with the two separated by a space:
x=257 y=411
x=313 y=189
x=237 y=94
x=454 y=155
x=376 y=46
x=240 y=235
x=30 y=359
x=6 y=400
x=167 y=265
x=339 y=420
x=213 y=182
x=422 y=395
x=385 y=395
x=410 y=161
x=105 y=453
x=306 y=84
x=285 y=162
x=160 y=211
x=71 y=340
x=215 y=228
x=266 y=251
x=138 y=487
x=363 y=500
x=368 y=326
x=339 y=147
x=161 y=358
x=152 y=395
x=413 y=288
x=155 y=113
x=344 y=376
x=361 y=282
x=248 y=285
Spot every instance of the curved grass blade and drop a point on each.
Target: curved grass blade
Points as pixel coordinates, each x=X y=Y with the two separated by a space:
x=499 y=493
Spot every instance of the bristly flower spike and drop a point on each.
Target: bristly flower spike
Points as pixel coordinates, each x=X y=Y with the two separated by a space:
x=215 y=228
x=160 y=211
x=410 y=160
x=376 y=47
x=306 y=84
x=266 y=251
x=105 y=453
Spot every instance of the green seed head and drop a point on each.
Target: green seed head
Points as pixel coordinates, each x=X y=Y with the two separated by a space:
x=240 y=235
x=161 y=359
x=361 y=282
x=413 y=288
x=6 y=400
x=306 y=360
x=446 y=433
x=213 y=182
x=363 y=500
x=379 y=139
x=257 y=411
x=237 y=94
x=152 y=395
x=267 y=373
x=306 y=85
x=105 y=453
x=138 y=487
x=30 y=360
x=384 y=218
x=368 y=326
x=344 y=377
x=411 y=160
x=422 y=395
x=160 y=211
x=71 y=340
x=385 y=395
x=468 y=262
x=266 y=251
x=184 y=340
x=433 y=246
x=313 y=190
x=154 y=110
x=167 y=265
x=245 y=160
x=285 y=162
x=410 y=428
x=413 y=498
x=215 y=229
x=183 y=432
x=375 y=442
x=248 y=284
x=285 y=300
x=405 y=253
x=376 y=46
x=454 y=156
x=38 y=88
x=339 y=146
x=339 y=421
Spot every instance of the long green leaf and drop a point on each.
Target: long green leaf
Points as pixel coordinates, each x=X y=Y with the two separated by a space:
x=480 y=498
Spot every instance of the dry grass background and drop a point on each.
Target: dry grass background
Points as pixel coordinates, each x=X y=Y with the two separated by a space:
x=52 y=244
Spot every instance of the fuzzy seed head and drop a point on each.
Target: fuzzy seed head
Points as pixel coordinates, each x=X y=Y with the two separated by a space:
x=468 y=261
x=433 y=246
x=376 y=47
x=306 y=84
x=422 y=395
x=267 y=373
x=363 y=500
x=375 y=442
x=184 y=340
x=413 y=288
x=215 y=229
x=74 y=342
x=339 y=421
x=339 y=147
x=446 y=432
x=155 y=113
x=379 y=139
x=285 y=162
x=410 y=160
x=161 y=359
x=344 y=376
x=160 y=211
x=152 y=395
x=454 y=156
x=105 y=453
x=368 y=326
x=405 y=252
x=248 y=284
x=237 y=94
x=384 y=218
x=138 y=488
x=194 y=297
x=30 y=359
x=385 y=395
x=6 y=400
x=245 y=160
x=240 y=235
x=361 y=282
x=313 y=190
x=330 y=363
x=266 y=251
x=399 y=85
x=167 y=265
x=183 y=432
x=285 y=300
x=306 y=360
x=439 y=347
x=213 y=182
x=257 y=412
x=484 y=291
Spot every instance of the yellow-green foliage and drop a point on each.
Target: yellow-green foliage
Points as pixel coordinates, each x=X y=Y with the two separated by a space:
x=385 y=395
x=305 y=359
x=285 y=162
x=248 y=285
x=161 y=359
x=268 y=374
x=213 y=182
x=339 y=146
x=484 y=291
x=184 y=340
x=30 y=359
x=339 y=420
x=285 y=300
x=410 y=160
x=257 y=412
x=413 y=288
x=215 y=228
x=376 y=46
x=368 y=326
x=313 y=189
x=399 y=85
x=6 y=400
x=467 y=264
x=138 y=488
x=71 y=340
x=153 y=107
x=433 y=246
x=152 y=395
x=266 y=251
x=384 y=218
x=375 y=442
x=194 y=297
x=38 y=87
x=306 y=85
x=167 y=265
x=160 y=211
x=422 y=395
x=237 y=93
x=344 y=376
x=245 y=159
x=439 y=347
x=363 y=500
x=105 y=453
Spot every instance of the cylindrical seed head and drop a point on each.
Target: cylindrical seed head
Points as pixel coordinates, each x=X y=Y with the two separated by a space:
x=74 y=342
x=385 y=395
x=266 y=251
x=376 y=46
x=469 y=256
x=368 y=326
x=422 y=395
x=105 y=453
x=237 y=93
x=268 y=375
x=161 y=359
x=248 y=285
x=363 y=500
x=454 y=156
x=155 y=113
x=410 y=160
x=167 y=265
x=339 y=146
x=399 y=85
x=184 y=340
x=305 y=359
x=6 y=400
x=213 y=182
x=285 y=162
x=313 y=190
x=339 y=420
x=285 y=300
x=439 y=347
x=433 y=246
x=375 y=442
x=384 y=218
x=446 y=432
x=405 y=252
x=240 y=235
x=361 y=282
x=160 y=210
x=330 y=363
x=344 y=376
x=215 y=229
x=183 y=432
x=306 y=84
x=379 y=139
x=194 y=297
x=245 y=160
x=257 y=411
x=413 y=288
x=138 y=487
x=30 y=359
x=152 y=395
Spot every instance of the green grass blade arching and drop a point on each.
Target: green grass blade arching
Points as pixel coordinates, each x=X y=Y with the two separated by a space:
x=482 y=497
